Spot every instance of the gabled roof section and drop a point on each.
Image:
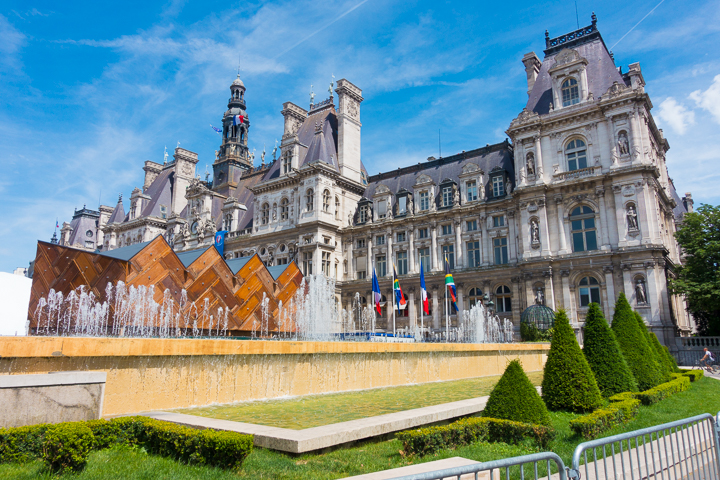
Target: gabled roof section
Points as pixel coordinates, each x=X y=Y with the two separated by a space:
x=191 y=255
x=324 y=148
x=236 y=264
x=118 y=214
x=125 y=253
x=277 y=270
x=601 y=69
x=160 y=193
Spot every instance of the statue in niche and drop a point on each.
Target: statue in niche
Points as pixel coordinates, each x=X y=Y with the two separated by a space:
x=432 y=199
x=410 y=204
x=350 y=219
x=632 y=217
x=623 y=144
x=530 y=164
x=185 y=231
x=200 y=231
x=389 y=208
x=274 y=217
x=270 y=258
x=640 y=293
x=456 y=196
x=508 y=187
x=534 y=231
x=539 y=296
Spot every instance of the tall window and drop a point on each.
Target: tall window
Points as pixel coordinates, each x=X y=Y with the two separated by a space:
x=472 y=191
x=422 y=233
x=401 y=236
x=265 y=214
x=337 y=208
x=447 y=196
x=473 y=250
x=310 y=200
x=363 y=214
x=382 y=208
x=424 y=201
x=326 y=200
x=326 y=263
x=474 y=297
x=503 y=299
x=576 y=155
x=447 y=229
x=361 y=243
x=287 y=161
x=498 y=221
x=402 y=205
x=498 y=186
x=307 y=263
x=380 y=240
x=402 y=263
x=582 y=226
x=589 y=291
x=449 y=253
x=380 y=265
x=570 y=92
x=424 y=257
x=471 y=225
x=501 y=250
x=284 y=207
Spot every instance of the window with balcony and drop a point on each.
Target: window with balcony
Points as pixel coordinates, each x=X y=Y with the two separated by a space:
x=472 y=193
x=582 y=227
x=473 y=251
x=589 y=291
x=576 y=155
x=570 y=92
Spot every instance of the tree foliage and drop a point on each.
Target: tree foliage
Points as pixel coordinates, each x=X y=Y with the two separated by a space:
x=568 y=382
x=515 y=398
x=604 y=356
x=698 y=279
x=655 y=349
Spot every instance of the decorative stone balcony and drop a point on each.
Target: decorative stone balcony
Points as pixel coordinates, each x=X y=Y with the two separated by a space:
x=573 y=174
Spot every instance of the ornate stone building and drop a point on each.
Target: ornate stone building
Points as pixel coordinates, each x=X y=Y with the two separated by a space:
x=575 y=208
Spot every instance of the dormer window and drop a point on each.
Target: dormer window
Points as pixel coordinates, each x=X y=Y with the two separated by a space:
x=402 y=205
x=424 y=201
x=472 y=191
x=382 y=208
x=362 y=214
x=286 y=162
x=576 y=154
x=498 y=186
x=570 y=92
x=447 y=196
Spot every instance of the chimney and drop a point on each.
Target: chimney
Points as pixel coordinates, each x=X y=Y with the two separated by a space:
x=349 y=99
x=294 y=117
x=152 y=170
x=532 y=68
x=688 y=202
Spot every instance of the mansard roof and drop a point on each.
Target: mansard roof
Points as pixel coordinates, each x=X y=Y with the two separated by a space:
x=487 y=158
x=118 y=213
x=160 y=193
x=601 y=69
x=83 y=220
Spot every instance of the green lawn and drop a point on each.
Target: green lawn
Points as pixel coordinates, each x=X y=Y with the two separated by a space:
x=125 y=463
x=315 y=410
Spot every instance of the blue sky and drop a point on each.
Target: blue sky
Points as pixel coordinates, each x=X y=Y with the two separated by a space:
x=90 y=90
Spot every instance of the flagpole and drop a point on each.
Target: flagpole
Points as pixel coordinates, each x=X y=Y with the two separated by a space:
x=422 y=311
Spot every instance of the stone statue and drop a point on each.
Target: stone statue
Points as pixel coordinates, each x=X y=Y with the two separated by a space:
x=262 y=156
x=217 y=154
x=640 y=293
x=632 y=218
x=274 y=217
x=274 y=150
x=185 y=231
x=201 y=231
x=389 y=208
x=508 y=187
x=623 y=144
x=530 y=164
x=456 y=196
x=539 y=296
x=271 y=258
x=350 y=219
x=534 y=232
x=432 y=199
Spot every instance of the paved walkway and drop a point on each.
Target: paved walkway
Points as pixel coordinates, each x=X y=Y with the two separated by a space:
x=427 y=467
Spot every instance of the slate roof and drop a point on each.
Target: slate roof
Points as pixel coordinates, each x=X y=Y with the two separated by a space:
x=84 y=220
x=118 y=215
x=124 y=253
x=680 y=210
x=160 y=193
x=601 y=72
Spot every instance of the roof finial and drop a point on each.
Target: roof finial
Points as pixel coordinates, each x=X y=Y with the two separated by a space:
x=178 y=144
x=238 y=76
x=120 y=198
x=594 y=19
x=312 y=96
x=332 y=84
x=207 y=173
x=165 y=155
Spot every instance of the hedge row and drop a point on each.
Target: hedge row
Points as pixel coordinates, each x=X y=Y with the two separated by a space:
x=65 y=446
x=595 y=423
x=424 y=441
x=693 y=375
x=664 y=390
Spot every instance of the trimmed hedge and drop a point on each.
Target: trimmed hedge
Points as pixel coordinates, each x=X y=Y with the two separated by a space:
x=671 y=359
x=597 y=422
x=199 y=447
x=66 y=446
x=424 y=441
x=663 y=390
x=515 y=398
x=634 y=346
x=568 y=382
x=603 y=354
x=693 y=375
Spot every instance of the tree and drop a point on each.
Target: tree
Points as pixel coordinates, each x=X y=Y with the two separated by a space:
x=698 y=279
x=603 y=354
x=568 y=382
x=655 y=349
x=634 y=346
x=515 y=398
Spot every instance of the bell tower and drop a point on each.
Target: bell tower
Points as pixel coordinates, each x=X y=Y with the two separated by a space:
x=233 y=158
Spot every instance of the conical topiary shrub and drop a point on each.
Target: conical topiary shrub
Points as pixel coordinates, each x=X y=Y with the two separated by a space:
x=671 y=360
x=634 y=346
x=667 y=365
x=663 y=368
x=602 y=352
x=515 y=398
x=568 y=383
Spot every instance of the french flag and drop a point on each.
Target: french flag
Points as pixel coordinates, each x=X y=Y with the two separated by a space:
x=377 y=296
x=423 y=292
x=238 y=119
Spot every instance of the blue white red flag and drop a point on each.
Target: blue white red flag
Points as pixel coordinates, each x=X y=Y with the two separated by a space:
x=238 y=119
x=423 y=292
x=377 y=296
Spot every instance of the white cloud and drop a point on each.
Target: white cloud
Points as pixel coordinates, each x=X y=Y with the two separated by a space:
x=709 y=99
x=11 y=41
x=677 y=116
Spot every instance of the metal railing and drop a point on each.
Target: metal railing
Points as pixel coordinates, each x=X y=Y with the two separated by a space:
x=684 y=449
x=540 y=462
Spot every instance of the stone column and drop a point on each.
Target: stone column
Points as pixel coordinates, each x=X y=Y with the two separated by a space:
x=351 y=260
x=567 y=301
x=539 y=160
x=643 y=213
x=458 y=244
x=529 y=292
x=600 y=194
x=550 y=289
x=411 y=251
x=653 y=296
x=620 y=216
x=520 y=164
x=545 y=235
x=460 y=300
x=370 y=259
x=610 y=287
x=435 y=307
x=627 y=283
x=635 y=144
x=652 y=213
x=512 y=241
x=389 y=257
x=561 y=224
x=433 y=253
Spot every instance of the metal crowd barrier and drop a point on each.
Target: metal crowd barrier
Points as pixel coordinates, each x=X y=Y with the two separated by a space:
x=684 y=449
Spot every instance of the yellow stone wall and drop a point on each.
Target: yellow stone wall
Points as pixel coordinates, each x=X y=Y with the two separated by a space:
x=157 y=374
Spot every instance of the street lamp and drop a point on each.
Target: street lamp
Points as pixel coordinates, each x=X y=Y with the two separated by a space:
x=489 y=304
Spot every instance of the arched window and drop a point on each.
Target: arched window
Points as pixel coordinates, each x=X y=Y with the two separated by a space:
x=265 y=214
x=284 y=207
x=589 y=291
x=309 y=200
x=576 y=155
x=337 y=208
x=570 y=92
x=326 y=200
x=474 y=297
x=582 y=226
x=503 y=299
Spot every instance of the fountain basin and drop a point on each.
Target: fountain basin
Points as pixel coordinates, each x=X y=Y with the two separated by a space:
x=145 y=374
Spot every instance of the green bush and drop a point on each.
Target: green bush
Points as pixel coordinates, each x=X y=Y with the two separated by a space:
x=530 y=333
x=671 y=360
x=568 y=383
x=603 y=419
x=66 y=446
x=663 y=390
x=655 y=349
x=424 y=441
x=515 y=398
x=634 y=346
x=21 y=444
x=693 y=375
x=603 y=354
